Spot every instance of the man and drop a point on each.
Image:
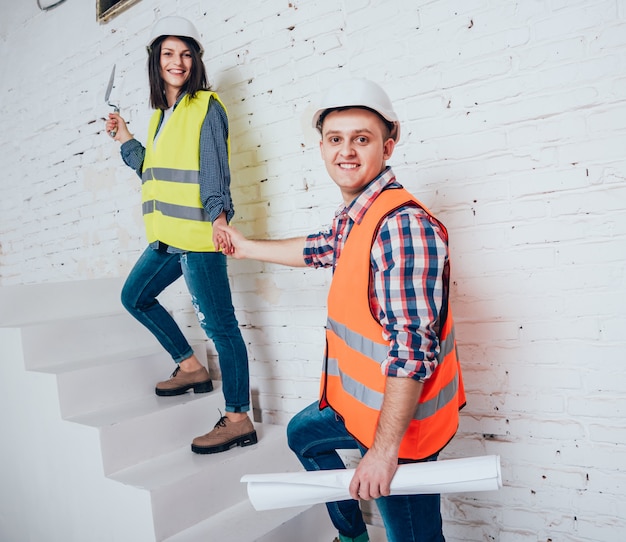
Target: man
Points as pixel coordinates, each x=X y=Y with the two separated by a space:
x=391 y=384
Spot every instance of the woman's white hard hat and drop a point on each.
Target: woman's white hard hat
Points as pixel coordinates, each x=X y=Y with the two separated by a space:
x=358 y=93
x=174 y=26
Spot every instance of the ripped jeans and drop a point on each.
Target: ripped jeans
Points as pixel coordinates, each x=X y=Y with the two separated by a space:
x=207 y=281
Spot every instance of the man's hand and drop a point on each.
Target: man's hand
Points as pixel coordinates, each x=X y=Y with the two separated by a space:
x=282 y=251
x=235 y=246
x=372 y=478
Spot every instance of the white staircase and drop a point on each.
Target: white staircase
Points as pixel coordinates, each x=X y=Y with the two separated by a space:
x=89 y=453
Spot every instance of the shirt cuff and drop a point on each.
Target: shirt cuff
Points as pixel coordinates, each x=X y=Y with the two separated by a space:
x=132 y=151
x=414 y=369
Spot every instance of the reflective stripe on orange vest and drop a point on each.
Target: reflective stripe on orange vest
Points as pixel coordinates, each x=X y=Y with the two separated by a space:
x=378 y=353
x=353 y=383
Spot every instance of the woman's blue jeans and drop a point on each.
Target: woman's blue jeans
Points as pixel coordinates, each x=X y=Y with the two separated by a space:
x=314 y=435
x=207 y=281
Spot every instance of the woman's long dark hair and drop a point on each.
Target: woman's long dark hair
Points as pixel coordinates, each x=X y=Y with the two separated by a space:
x=197 y=79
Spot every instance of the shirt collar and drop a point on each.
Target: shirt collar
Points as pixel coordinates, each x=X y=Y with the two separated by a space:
x=359 y=206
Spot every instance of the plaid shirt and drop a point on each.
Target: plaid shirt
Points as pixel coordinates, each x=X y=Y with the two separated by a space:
x=407 y=261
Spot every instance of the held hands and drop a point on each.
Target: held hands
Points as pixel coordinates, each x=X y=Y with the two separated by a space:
x=372 y=477
x=281 y=251
x=221 y=235
x=117 y=124
x=229 y=240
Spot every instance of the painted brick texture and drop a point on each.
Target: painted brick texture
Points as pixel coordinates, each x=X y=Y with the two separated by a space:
x=513 y=133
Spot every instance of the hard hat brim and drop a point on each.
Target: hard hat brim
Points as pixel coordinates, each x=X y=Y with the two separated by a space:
x=358 y=93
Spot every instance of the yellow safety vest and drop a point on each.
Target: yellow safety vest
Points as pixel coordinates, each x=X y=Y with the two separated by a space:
x=352 y=381
x=172 y=210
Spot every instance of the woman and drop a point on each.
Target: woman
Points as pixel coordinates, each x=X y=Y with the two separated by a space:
x=186 y=202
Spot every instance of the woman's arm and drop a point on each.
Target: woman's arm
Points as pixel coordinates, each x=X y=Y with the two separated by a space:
x=214 y=167
x=214 y=177
x=132 y=151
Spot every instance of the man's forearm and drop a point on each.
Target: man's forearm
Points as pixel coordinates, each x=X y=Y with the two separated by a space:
x=398 y=409
x=282 y=251
x=374 y=473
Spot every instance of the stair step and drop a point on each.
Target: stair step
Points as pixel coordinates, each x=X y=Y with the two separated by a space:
x=93 y=384
x=242 y=523
x=206 y=484
x=102 y=359
x=80 y=338
x=33 y=303
x=148 y=426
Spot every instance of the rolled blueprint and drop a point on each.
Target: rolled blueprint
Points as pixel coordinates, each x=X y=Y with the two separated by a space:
x=286 y=489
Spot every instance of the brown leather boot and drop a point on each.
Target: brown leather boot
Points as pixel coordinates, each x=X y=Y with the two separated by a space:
x=224 y=436
x=181 y=381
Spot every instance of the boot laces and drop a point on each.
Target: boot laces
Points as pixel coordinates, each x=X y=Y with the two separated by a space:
x=221 y=422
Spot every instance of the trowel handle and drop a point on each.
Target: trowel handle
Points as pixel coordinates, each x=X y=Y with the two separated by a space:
x=115 y=110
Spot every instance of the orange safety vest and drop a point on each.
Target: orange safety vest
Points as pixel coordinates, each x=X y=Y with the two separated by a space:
x=353 y=384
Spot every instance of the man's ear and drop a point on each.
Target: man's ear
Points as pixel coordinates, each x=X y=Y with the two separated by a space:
x=388 y=147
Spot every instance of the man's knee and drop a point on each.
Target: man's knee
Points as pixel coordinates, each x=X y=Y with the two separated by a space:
x=299 y=427
x=294 y=430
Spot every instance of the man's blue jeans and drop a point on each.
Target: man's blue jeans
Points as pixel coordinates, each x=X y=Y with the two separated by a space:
x=314 y=436
x=207 y=281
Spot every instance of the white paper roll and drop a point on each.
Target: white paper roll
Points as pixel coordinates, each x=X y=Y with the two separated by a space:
x=287 y=489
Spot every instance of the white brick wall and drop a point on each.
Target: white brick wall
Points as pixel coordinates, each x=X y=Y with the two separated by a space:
x=514 y=133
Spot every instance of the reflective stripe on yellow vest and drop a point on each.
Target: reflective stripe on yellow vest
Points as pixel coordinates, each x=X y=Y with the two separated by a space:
x=172 y=210
x=352 y=382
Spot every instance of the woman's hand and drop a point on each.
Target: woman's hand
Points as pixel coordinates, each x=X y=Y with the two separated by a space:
x=117 y=124
x=221 y=236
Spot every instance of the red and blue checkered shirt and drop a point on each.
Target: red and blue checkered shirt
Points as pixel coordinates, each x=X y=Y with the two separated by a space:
x=407 y=262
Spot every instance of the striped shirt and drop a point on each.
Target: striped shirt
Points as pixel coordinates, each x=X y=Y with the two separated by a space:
x=407 y=262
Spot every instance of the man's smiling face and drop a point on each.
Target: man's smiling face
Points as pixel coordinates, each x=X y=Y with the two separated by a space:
x=354 y=147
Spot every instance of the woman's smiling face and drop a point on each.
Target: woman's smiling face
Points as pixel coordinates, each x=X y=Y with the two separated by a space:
x=176 y=63
x=354 y=147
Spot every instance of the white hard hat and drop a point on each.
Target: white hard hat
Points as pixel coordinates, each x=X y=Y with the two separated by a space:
x=358 y=93
x=174 y=26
